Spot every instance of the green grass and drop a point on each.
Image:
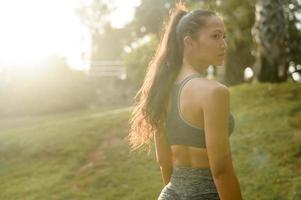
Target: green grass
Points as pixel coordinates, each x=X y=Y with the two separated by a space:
x=83 y=155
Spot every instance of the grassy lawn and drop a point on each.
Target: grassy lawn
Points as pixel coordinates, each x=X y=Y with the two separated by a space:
x=83 y=154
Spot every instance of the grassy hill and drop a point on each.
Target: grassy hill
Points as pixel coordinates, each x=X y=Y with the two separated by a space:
x=83 y=155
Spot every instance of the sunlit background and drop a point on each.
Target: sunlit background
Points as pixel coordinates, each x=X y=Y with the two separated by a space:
x=78 y=54
x=108 y=39
x=34 y=29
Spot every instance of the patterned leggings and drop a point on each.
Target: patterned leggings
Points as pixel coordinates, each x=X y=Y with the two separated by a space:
x=188 y=183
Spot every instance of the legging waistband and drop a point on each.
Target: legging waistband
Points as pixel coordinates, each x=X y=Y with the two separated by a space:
x=191 y=173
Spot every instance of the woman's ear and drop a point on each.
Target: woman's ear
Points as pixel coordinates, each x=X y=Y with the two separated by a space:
x=188 y=41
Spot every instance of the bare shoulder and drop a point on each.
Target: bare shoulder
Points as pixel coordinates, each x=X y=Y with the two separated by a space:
x=210 y=91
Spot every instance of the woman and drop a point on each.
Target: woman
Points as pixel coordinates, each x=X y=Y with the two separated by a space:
x=188 y=115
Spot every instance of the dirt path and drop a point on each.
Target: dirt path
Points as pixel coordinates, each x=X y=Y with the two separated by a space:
x=94 y=158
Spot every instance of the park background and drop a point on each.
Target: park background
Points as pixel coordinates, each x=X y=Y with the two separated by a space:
x=69 y=71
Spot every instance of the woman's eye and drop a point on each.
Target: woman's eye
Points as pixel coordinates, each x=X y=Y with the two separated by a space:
x=218 y=36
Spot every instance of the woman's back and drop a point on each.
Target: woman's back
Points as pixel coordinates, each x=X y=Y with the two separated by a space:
x=185 y=121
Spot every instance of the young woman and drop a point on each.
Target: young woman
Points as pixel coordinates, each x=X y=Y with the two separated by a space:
x=188 y=115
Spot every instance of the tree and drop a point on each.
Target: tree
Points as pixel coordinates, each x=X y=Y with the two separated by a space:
x=106 y=42
x=270 y=33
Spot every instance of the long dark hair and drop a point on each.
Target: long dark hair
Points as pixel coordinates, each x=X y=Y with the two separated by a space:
x=151 y=100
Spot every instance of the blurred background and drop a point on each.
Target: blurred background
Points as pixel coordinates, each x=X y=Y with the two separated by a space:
x=69 y=70
x=58 y=56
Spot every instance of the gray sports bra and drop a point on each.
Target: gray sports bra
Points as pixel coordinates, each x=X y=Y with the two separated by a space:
x=181 y=132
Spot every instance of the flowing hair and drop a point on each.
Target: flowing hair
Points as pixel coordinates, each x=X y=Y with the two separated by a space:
x=150 y=109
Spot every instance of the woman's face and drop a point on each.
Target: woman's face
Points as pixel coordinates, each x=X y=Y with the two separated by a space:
x=210 y=45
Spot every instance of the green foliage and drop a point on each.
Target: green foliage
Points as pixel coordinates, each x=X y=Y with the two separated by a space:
x=136 y=62
x=55 y=88
x=107 y=42
x=150 y=15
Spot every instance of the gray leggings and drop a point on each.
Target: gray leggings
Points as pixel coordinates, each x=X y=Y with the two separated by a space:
x=190 y=183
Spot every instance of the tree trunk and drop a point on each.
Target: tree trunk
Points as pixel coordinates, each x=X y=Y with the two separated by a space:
x=270 y=34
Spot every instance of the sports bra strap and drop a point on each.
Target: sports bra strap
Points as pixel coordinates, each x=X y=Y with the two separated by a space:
x=185 y=80
x=181 y=84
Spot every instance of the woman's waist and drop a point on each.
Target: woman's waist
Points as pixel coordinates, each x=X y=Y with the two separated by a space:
x=198 y=161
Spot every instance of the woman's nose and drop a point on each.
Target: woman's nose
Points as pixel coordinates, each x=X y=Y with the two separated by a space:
x=224 y=44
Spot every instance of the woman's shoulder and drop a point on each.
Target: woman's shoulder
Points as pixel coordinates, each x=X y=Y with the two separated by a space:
x=208 y=93
x=209 y=88
x=205 y=94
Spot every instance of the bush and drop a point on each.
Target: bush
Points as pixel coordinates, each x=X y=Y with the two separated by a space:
x=45 y=93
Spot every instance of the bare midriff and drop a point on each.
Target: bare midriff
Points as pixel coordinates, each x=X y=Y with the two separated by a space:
x=188 y=156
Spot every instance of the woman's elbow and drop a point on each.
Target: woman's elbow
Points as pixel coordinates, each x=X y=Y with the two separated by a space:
x=222 y=170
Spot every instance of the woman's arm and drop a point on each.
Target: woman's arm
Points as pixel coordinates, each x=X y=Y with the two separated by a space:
x=163 y=155
x=216 y=115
